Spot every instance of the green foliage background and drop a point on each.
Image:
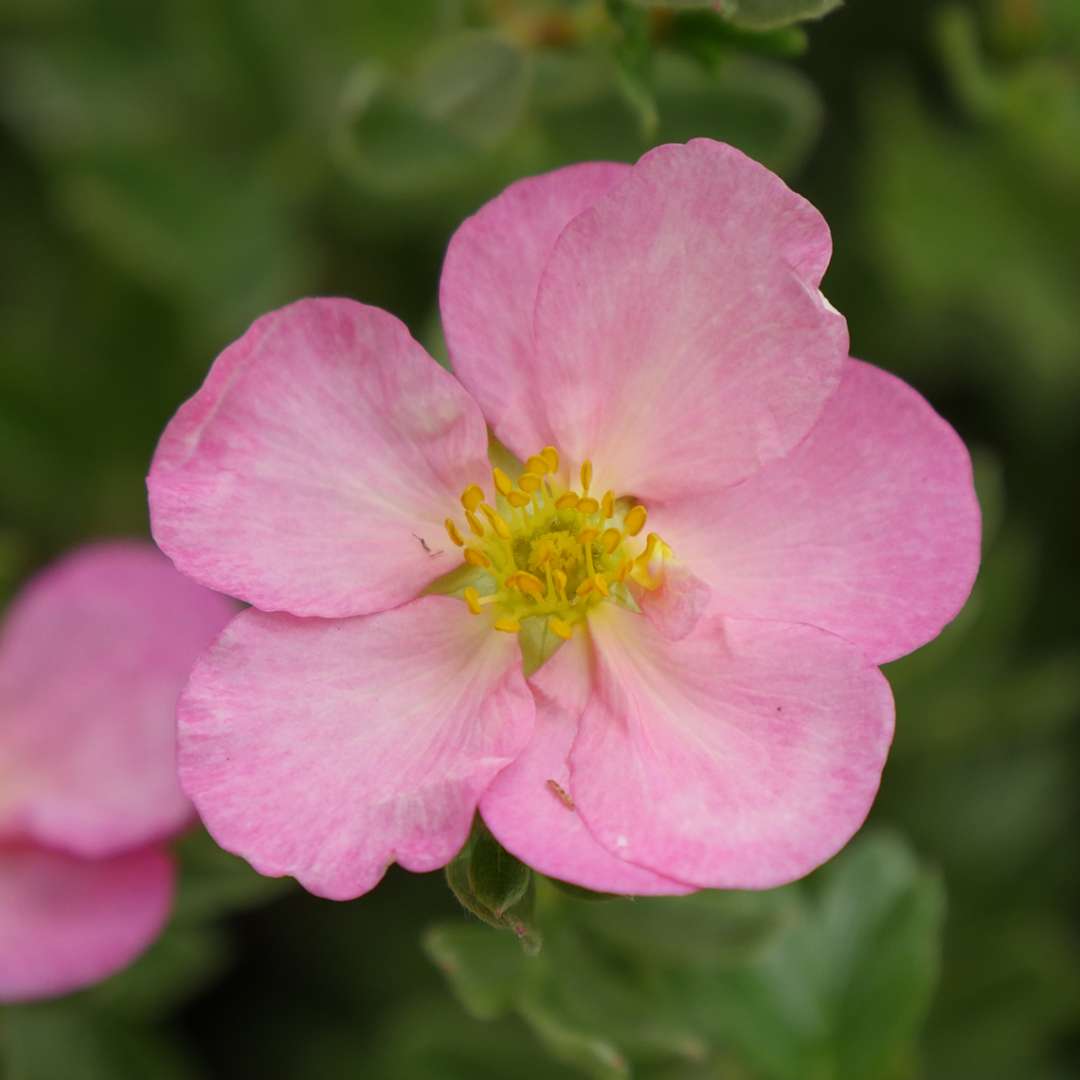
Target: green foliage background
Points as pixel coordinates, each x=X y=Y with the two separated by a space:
x=171 y=170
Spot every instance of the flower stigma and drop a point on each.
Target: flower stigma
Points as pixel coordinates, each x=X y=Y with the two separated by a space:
x=551 y=551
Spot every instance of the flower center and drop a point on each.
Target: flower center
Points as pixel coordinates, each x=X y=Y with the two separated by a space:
x=551 y=551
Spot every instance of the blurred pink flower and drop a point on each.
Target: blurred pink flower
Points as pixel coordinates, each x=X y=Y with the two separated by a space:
x=651 y=343
x=93 y=653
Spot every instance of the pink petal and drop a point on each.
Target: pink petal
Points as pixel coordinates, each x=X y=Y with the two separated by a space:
x=529 y=806
x=329 y=749
x=93 y=655
x=742 y=756
x=66 y=922
x=869 y=528
x=488 y=291
x=313 y=470
x=678 y=604
x=681 y=340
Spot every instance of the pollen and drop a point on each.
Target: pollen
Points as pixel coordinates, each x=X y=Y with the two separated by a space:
x=550 y=551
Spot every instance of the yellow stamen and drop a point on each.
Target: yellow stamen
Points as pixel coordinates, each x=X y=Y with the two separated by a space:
x=551 y=456
x=503 y=484
x=560 y=582
x=635 y=520
x=567 y=501
x=588 y=535
x=477 y=558
x=560 y=627
x=518 y=499
x=586 y=476
x=508 y=625
x=601 y=585
x=529 y=482
x=650 y=546
x=588 y=505
x=611 y=539
x=529 y=583
x=624 y=569
x=472 y=497
x=538 y=465
x=607 y=503
x=472 y=598
x=585 y=587
x=498 y=522
x=453 y=533
x=474 y=523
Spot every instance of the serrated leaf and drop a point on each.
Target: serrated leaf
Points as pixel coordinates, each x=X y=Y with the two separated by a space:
x=486 y=970
x=842 y=992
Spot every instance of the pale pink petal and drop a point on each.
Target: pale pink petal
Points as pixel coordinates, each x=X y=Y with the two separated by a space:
x=679 y=601
x=529 y=806
x=313 y=470
x=742 y=756
x=329 y=749
x=488 y=291
x=681 y=340
x=869 y=528
x=93 y=655
x=66 y=922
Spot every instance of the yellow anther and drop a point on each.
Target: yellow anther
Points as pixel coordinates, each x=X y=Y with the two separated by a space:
x=503 y=484
x=474 y=523
x=551 y=456
x=585 y=587
x=544 y=551
x=518 y=499
x=635 y=520
x=588 y=535
x=650 y=546
x=567 y=501
x=529 y=583
x=586 y=476
x=529 y=482
x=472 y=497
x=624 y=569
x=560 y=581
x=607 y=503
x=508 y=625
x=475 y=557
x=588 y=505
x=453 y=533
x=498 y=523
x=563 y=629
x=537 y=465
x=472 y=598
x=601 y=585
x=610 y=540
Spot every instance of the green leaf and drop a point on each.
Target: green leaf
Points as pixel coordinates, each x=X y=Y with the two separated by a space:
x=824 y=979
x=756 y=14
x=842 y=992
x=486 y=970
x=411 y=133
x=476 y=83
x=770 y=14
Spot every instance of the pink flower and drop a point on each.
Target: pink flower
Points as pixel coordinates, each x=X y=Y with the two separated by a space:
x=93 y=654
x=651 y=342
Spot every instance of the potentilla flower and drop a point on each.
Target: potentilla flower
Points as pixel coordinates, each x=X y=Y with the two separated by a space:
x=709 y=522
x=93 y=654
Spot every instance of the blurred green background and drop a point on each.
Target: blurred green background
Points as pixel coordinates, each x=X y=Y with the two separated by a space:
x=171 y=170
